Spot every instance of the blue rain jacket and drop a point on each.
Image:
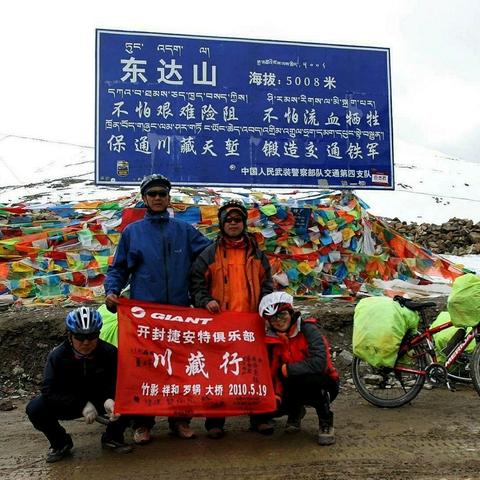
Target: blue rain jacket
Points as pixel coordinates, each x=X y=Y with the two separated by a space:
x=154 y=255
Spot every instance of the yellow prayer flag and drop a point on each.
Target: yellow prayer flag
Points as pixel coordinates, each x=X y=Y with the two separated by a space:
x=304 y=268
x=332 y=225
x=347 y=233
x=209 y=213
x=20 y=267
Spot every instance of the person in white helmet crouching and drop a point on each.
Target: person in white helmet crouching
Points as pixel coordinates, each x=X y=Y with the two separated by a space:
x=301 y=365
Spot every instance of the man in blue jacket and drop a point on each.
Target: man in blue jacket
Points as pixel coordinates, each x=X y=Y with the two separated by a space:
x=154 y=255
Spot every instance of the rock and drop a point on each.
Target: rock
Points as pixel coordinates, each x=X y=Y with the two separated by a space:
x=474 y=237
x=457 y=236
x=6 y=405
x=344 y=358
x=17 y=370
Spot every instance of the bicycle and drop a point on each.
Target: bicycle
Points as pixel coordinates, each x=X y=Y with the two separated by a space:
x=416 y=362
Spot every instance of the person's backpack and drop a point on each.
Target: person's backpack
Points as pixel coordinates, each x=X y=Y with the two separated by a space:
x=379 y=325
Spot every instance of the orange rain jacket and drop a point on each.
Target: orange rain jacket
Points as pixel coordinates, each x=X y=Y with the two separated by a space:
x=237 y=278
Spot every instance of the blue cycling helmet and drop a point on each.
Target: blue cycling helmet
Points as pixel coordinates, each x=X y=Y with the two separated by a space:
x=84 y=320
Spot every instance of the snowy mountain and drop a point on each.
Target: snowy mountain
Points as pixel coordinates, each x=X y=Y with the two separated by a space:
x=430 y=187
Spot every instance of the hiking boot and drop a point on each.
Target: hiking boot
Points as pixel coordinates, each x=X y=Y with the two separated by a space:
x=182 y=430
x=326 y=432
x=142 y=436
x=216 y=433
x=265 y=428
x=56 y=454
x=115 y=445
x=294 y=421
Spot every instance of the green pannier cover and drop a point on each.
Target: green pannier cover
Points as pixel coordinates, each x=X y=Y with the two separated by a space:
x=379 y=325
x=109 y=331
x=441 y=338
x=464 y=301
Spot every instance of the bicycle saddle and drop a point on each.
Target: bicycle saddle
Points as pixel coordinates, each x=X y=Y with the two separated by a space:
x=412 y=304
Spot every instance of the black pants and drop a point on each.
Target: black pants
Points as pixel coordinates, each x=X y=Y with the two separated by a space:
x=143 y=421
x=45 y=415
x=148 y=421
x=315 y=390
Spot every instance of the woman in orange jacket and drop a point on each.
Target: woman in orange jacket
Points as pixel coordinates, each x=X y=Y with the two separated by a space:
x=232 y=274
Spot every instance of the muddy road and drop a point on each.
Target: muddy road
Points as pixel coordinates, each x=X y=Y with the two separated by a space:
x=436 y=437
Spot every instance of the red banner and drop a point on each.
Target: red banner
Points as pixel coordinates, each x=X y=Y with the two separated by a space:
x=184 y=362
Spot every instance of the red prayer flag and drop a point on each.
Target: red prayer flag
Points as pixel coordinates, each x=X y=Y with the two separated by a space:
x=130 y=215
x=184 y=362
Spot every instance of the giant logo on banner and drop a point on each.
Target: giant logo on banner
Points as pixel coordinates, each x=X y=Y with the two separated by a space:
x=179 y=361
x=237 y=112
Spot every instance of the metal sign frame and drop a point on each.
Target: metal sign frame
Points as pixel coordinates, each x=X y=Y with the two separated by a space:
x=207 y=111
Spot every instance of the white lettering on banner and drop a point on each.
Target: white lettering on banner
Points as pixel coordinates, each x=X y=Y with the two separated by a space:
x=139 y=312
x=164 y=360
x=232 y=389
x=190 y=337
x=196 y=365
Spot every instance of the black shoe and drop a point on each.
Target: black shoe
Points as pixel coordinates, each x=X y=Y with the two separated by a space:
x=326 y=432
x=264 y=428
x=326 y=435
x=56 y=454
x=216 y=433
x=294 y=421
x=116 y=446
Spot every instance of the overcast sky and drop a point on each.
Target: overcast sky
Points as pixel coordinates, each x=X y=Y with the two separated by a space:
x=47 y=81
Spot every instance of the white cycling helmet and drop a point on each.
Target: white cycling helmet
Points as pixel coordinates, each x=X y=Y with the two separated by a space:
x=269 y=305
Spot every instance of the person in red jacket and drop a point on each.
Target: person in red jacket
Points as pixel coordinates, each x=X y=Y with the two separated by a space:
x=301 y=365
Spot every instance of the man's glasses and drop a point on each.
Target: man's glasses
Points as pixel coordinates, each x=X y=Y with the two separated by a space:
x=83 y=337
x=157 y=193
x=233 y=220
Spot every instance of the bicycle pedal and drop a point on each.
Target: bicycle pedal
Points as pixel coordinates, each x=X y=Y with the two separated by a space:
x=451 y=386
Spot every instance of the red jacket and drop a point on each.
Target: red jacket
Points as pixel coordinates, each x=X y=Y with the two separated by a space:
x=303 y=350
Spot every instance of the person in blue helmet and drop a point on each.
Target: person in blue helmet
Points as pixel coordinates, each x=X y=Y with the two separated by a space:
x=154 y=256
x=79 y=381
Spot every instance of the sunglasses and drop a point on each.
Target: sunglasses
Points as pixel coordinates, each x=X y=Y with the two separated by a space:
x=157 y=193
x=234 y=220
x=83 y=337
x=279 y=316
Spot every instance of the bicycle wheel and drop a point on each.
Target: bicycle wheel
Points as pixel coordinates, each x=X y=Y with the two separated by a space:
x=388 y=387
x=475 y=368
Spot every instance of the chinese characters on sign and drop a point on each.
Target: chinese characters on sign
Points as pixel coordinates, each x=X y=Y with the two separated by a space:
x=180 y=361
x=220 y=111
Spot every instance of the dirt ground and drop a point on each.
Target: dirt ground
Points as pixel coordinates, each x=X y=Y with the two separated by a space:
x=435 y=437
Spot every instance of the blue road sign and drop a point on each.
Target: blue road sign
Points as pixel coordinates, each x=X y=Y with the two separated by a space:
x=238 y=112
